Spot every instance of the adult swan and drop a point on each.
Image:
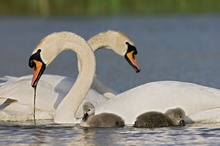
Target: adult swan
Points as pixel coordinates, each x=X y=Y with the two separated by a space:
x=46 y=51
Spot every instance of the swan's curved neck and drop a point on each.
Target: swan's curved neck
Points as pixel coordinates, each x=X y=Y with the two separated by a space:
x=65 y=112
x=99 y=41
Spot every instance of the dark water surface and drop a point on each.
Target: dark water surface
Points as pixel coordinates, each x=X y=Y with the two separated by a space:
x=52 y=134
x=182 y=48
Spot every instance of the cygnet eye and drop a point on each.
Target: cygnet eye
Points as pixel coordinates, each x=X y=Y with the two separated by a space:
x=180 y=116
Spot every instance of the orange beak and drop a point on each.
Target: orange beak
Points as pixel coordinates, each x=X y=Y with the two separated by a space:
x=130 y=57
x=37 y=72
x=39 y=66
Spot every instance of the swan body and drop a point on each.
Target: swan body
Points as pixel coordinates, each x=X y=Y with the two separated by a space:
x=53 y=88
x=200 y=103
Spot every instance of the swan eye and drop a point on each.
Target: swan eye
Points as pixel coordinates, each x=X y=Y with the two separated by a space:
x=131 y=48
x=35 y=56
x=32 y=64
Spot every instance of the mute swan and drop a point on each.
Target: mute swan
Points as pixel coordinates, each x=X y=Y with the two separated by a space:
x=19 y=93
x=153 y=119
x=200 y=103
x=44 y=53
x=101 y=120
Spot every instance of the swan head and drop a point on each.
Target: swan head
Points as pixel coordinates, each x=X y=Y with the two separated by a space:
x=117 y=41
x=130 y=56
x=39 y=66
x=88 y=109
x=43 y=54
x=121 y=44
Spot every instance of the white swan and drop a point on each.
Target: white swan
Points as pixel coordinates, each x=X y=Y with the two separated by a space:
x=42 y=56
x=46 y=51
x=20 y=94
x=201 y=104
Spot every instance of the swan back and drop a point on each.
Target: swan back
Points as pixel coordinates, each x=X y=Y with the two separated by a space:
x=200 y=103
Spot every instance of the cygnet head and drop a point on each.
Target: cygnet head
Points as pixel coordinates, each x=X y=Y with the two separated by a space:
x=88 y=110
x=177 y=116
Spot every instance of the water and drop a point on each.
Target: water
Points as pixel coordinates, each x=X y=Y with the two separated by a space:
x=182 y=48
x=52 y=134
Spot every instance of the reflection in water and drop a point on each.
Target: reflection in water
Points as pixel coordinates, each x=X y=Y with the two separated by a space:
x=86 y=137
x=39 y=137
x=53 y=134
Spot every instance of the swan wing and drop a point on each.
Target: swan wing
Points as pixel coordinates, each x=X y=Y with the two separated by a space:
x=51 y=91
x=17 y=93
